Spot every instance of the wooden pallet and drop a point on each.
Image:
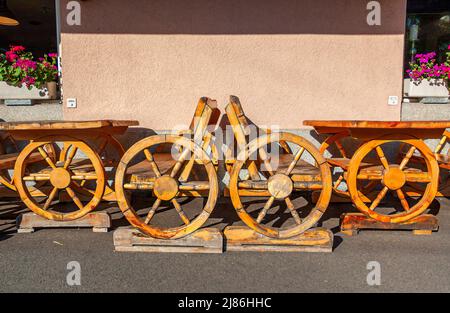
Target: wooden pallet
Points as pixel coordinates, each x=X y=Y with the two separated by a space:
x=242 y=238
x=205 y=240
x=424 y=224
x=99 y=221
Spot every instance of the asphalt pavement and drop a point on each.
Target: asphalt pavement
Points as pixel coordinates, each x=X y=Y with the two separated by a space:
x=38 y=262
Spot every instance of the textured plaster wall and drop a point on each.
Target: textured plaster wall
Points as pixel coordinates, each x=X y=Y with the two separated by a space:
x=287 y=60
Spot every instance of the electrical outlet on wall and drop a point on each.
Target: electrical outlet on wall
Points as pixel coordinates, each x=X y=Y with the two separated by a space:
x=71 y=103
x=393 y=100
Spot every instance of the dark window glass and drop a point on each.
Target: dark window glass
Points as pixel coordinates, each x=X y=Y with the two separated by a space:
x=427 y=28
x=37 y=28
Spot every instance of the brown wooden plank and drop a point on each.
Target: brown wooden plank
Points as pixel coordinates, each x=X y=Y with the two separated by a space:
x=206 y=240
x=351 y=223
x=99 y=221
x=377 y=124
x=52 y=125
x=242 y=238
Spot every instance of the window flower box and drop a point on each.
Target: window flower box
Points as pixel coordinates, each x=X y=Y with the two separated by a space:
x=433 y=88
x=24 y=77
x=12 y=92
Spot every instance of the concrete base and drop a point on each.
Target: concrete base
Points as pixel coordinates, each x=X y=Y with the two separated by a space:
x=242 y=238
x=206 y=240
x=425 y=112
x=99 y=221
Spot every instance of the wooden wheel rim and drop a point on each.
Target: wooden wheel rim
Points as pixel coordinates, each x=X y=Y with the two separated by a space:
x=419 y=207
x=130 y=213
x=315 y=214
x=29 y=201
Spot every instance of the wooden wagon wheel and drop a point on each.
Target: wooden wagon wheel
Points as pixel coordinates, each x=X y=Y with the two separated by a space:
x=166 y=186
x=336 y=141
x=282 y=182
x=103 y=145
x=61 y=176
x=392 y=178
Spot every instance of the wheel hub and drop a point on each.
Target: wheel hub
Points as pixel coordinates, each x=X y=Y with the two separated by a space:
x=166 y=188
x=394 y=178
x=280 y=186
x=60 y=178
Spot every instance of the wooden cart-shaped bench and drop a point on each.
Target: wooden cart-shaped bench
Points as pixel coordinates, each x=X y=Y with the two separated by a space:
x=174 y=170
x=280 y=170
x=378 y=168
x=63 y=159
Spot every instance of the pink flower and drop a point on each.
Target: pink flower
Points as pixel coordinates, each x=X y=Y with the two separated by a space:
x=29 y=81
x=52 y=55
x=11 y=56
x=17 y=48
x=26 y=64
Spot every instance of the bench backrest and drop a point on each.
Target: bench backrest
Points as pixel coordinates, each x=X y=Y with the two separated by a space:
x=206 y=114
x=238 y=121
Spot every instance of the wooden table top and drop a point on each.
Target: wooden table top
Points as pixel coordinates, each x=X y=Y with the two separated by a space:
x=65 y=125
x=378 y=124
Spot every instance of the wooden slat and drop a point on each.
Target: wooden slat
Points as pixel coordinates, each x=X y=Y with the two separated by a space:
x=52 y=125
x=378 y=124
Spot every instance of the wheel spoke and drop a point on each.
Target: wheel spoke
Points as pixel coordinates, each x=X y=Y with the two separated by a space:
x=74 y=197
x=407 y=157
x=84 y=177
x=36 y=178
x=180 y=212
x=194 y=186
x=265 y=209
x=382 y=157
x=265 y=158
x=402 y=198
x=139 y=186
x=153 y=164
x=297 y=157
x=179 y=163
x=418 y=177
x=50 y=198
x=379 y=197
x=293 y=211
x=152 y=210
x=308 y=185
x=253 y=184
x=70 y=157
x=46 y=157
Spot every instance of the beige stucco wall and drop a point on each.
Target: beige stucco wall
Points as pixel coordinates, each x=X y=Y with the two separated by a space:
x=287 y=60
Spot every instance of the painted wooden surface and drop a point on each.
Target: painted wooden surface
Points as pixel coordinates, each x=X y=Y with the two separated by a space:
x=352 y=223
x=369 y=167
x=169 y=177
x=276 y=185
x=388 y=129
x=205 y=240
x=98 y=221
x=59 y=125
x=241 y=238
x=75 y=170
x=378 y=124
